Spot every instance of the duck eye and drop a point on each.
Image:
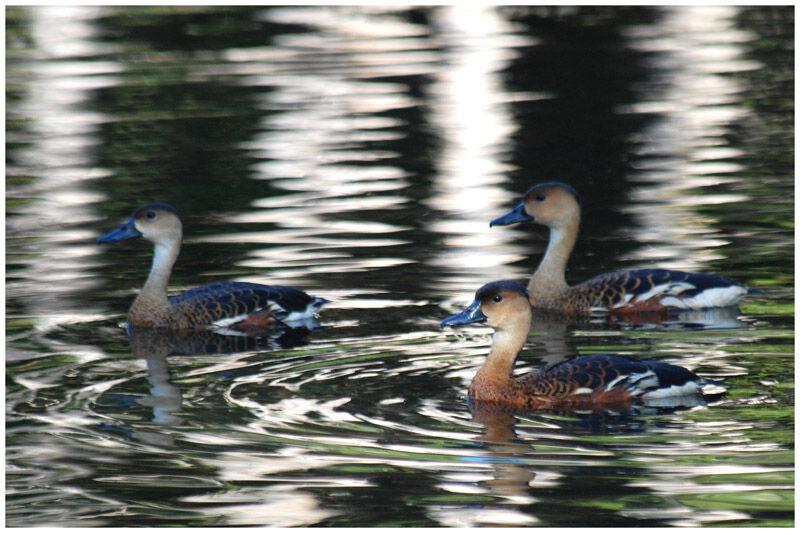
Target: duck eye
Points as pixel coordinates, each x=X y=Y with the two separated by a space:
x=497 y=298
x=151 y=215
x=541 y=197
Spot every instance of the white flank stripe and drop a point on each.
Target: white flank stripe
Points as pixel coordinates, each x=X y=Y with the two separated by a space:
x=622 y=303
x=664 y=289
x=229 y=321
x=614 y=382
x=645 y=385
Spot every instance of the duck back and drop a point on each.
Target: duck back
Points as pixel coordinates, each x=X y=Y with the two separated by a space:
x=604 y=380
x=228 y=303
x=656 y=289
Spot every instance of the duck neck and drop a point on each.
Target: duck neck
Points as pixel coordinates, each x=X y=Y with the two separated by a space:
x=548 y=279
x=153 y=296
x=506 y=346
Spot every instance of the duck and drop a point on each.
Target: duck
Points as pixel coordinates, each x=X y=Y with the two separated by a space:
x=557 y=206
x=586 y=382
x=228 y=307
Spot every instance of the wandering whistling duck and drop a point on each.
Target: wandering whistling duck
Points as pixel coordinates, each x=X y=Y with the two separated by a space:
x=599 y=381
x=237 y=307
x=557 y=206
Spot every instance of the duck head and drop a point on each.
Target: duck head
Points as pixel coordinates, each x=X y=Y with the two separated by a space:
x=552 y=204
x=499 y=304
x=156 y=222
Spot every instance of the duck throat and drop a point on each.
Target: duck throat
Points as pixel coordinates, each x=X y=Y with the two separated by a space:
x=495 y=378
x=152 y=304
x=548 y=280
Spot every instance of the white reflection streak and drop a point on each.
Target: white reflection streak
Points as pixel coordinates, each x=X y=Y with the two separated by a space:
x=696 y=45
x=280 y=506
x=60 y=135
x=468 y=109
x=311 y=147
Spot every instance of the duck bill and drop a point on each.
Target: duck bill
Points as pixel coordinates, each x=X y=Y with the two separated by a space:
x=470 y=315
x=515 y=216
x=126 y=231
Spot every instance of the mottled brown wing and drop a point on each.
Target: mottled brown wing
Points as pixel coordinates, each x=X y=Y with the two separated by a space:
x=609 y=290
x=209 y=303
x=600 y=371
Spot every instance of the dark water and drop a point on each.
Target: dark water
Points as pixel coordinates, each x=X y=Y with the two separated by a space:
x=359 y=153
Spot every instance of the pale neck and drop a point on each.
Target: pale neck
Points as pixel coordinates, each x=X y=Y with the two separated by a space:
x=155 y=288
x=549 y=276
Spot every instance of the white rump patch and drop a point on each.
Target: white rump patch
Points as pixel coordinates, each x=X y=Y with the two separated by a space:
x=305 y=318
x=670 y=294
x=714 y=297
x=687 y=389
x=298 y=319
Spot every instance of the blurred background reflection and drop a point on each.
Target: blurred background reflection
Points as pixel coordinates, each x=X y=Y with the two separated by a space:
x=359 y=152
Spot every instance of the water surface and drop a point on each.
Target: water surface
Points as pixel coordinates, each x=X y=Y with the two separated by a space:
x=359 y=153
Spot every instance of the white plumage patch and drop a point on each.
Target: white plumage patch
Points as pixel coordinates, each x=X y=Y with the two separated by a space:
x=614 y=382
x=665 y=289
x=223 y=323
x=688 y=388
x=670 y=294
x=714 y=297
x=641 y=383
x=227 y=322
x=636 y=384
x=626 y=298
x=305 y=317
x=294 y=319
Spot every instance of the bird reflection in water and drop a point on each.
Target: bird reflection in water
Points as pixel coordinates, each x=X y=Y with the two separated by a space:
x=513 y=477
x=165 y=398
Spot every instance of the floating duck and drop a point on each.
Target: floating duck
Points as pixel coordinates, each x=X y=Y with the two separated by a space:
x=557 y=206
x=600 y=381
x=235 y=307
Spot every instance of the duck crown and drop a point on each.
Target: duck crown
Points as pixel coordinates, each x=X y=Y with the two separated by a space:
x=163 y=206
x=553 y=184
x=488 y=291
